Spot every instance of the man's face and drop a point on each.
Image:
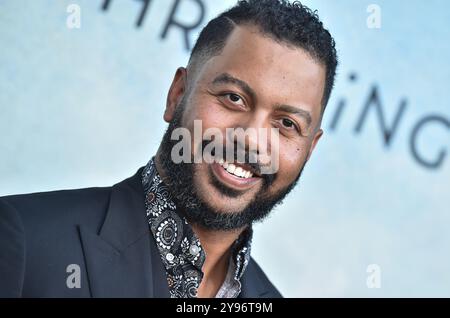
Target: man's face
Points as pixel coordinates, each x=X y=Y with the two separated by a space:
x=255 y=83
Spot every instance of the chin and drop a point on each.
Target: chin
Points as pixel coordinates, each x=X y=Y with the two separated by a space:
x=220 y=202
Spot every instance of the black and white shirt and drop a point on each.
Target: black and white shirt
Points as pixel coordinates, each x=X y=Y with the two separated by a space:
x=180 y=249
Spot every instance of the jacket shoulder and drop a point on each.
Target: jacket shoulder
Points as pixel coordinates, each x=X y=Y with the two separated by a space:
x=12 y=252
x=60 y=207
x=39 y=238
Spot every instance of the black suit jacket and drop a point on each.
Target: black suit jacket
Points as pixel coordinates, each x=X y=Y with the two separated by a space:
x=103 y=231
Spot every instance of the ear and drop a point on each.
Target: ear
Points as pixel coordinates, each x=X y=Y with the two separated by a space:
x=315 y=140
x=176 y=92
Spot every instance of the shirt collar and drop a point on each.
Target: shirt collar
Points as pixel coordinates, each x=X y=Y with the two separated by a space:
x=181 y=251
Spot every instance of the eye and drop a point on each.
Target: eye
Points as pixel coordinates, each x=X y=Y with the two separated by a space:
x=287 y=123
x=235 y=99
x=289 y=126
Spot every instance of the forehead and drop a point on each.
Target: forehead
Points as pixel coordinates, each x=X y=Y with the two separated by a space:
x=275 y=71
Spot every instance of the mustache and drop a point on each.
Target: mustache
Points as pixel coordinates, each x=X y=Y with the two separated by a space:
x=243 y=156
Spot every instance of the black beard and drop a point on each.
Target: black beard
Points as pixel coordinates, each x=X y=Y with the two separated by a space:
x=180 y=180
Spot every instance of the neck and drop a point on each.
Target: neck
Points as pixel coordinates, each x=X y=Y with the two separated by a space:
x=217 y=246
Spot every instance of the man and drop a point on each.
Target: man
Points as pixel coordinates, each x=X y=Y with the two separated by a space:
x=183 y=228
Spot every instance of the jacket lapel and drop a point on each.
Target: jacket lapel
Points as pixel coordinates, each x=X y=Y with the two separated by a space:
x=122 y=260
x=118 y=259
x=252 y=285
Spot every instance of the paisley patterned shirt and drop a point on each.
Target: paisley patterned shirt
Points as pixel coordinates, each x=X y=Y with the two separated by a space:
x=180 y=249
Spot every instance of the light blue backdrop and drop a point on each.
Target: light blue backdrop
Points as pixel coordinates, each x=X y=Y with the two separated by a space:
x=83 y=107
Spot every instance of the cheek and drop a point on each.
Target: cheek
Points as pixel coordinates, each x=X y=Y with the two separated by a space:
x=204 y=114
x=292 y=158
x=210 y=114
x=215 y=115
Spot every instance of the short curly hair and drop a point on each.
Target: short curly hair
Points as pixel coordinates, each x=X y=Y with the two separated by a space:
x=292 y=23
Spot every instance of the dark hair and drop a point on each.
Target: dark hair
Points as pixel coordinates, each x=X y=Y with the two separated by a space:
x=292 y=23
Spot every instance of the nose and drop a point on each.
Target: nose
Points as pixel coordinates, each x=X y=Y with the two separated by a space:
x=253 y=133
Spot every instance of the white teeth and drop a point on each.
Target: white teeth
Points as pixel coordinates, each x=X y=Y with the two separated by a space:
x=239 y=172
x=232 y=169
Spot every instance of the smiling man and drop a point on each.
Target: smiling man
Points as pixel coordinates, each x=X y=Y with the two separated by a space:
x=183 y=228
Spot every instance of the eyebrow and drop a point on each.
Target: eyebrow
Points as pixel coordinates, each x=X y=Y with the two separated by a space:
x=226 y=78
x=295 y=111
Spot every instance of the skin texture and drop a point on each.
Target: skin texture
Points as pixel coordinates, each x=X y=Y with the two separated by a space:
x=278 y=75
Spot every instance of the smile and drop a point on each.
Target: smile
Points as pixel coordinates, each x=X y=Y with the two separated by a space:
x=234 y=175
x=235 y=170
